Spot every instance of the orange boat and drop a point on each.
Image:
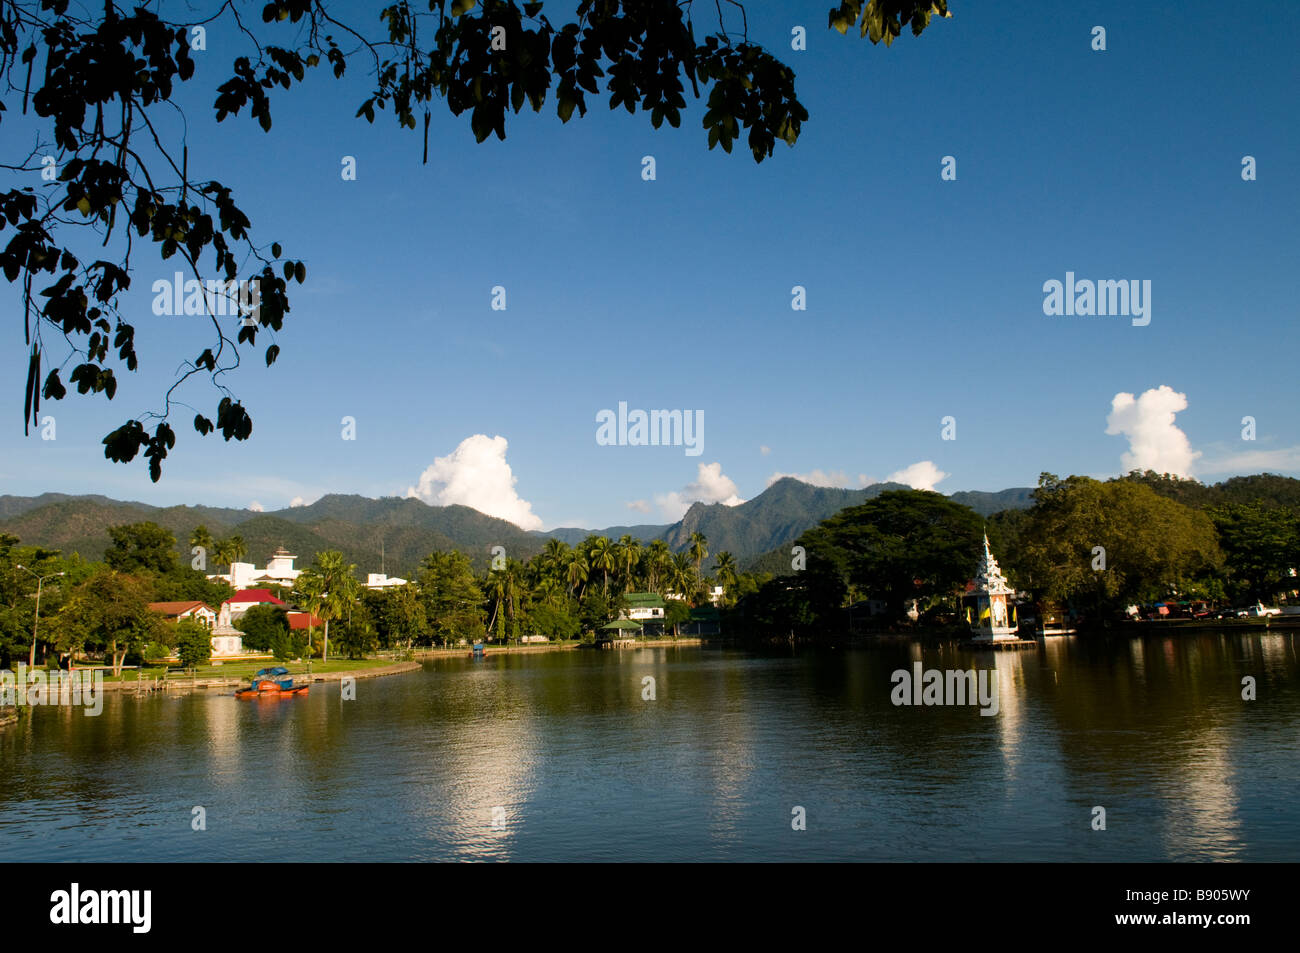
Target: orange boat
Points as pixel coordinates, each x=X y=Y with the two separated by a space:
x=272 y=683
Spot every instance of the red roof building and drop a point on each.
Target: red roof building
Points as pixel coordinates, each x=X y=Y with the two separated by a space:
x=254 y=597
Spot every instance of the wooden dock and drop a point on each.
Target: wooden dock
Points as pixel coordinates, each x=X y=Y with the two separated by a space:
x=997 y=646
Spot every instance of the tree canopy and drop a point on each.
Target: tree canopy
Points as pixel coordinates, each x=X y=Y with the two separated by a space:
x=1109 y=543
x=900 y=546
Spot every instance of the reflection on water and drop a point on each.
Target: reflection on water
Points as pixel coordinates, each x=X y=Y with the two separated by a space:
x=558 y=756
x=1010 y=717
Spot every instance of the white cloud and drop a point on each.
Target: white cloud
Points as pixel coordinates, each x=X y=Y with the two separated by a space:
x=1253 y=461
x=764 y=449
x=1155 y=442
x=297 y=501
x=476 y=474
x=710 y=486
x=835 y=478
x=641 y=506
x=922 y=475
x=256 y=507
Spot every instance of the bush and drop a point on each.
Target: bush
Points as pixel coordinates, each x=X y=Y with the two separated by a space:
x=554 y=623
x=289 y=645
x=155 y=651
x=193 y=643
x=355 y=637
x=262 y=625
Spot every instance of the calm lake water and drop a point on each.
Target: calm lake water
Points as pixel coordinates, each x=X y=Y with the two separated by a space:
x=582 y=768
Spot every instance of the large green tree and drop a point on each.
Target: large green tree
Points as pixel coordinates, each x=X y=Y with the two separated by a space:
x=96 y=81
x=262 y=625
x=1261 y=545
x=1102 y=545
x=21 y=570
x=453 y=599
x=193 y=643
x=108 y=613
x=148 y=550
x=356 y=636
x=399 y=615
x=901 y=545
x=141 y=546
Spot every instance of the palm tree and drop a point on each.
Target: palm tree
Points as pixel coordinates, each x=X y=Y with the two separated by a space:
x=658 y=559
x=309 y=591
x=339 y=590
x=202 y=539
x=504 y=589
x=553 y=563
x=681 y=579
x=576 y=571
x=223 y=553
x=725 y=572
x=602 y=557
x=554 y=554
x=229 y=551
x=629 y=554
x=550 y=591
x=699 y=549
x=725 y=568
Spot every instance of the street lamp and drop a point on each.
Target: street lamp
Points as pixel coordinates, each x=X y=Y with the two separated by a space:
x=40 y=580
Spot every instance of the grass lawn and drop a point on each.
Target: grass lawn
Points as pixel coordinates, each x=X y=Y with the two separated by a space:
x=248 y=669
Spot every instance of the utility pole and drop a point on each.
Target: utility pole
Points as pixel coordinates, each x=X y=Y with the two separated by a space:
x=40 y=580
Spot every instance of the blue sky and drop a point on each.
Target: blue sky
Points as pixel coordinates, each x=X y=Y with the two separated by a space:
x=924 y=297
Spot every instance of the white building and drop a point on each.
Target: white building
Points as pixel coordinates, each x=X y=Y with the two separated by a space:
x=226 y=640
x=379 y=580
x=643 y=607
x=279 y=571
x=191 y=609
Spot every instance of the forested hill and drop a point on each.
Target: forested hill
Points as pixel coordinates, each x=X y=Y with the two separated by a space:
x=404 y=530
x=1266 y=489
x=408 y=529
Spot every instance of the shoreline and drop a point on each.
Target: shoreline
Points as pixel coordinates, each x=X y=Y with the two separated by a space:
x=228 y=681
x=491 y=649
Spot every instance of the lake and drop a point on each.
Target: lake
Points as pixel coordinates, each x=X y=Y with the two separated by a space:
x=558 y=756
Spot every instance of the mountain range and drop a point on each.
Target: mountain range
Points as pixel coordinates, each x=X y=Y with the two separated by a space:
x=398 y=533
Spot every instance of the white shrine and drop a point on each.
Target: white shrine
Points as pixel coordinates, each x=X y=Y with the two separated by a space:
x=989 y=610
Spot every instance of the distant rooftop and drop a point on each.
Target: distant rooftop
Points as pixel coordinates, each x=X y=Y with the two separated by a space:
x=644 y=600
